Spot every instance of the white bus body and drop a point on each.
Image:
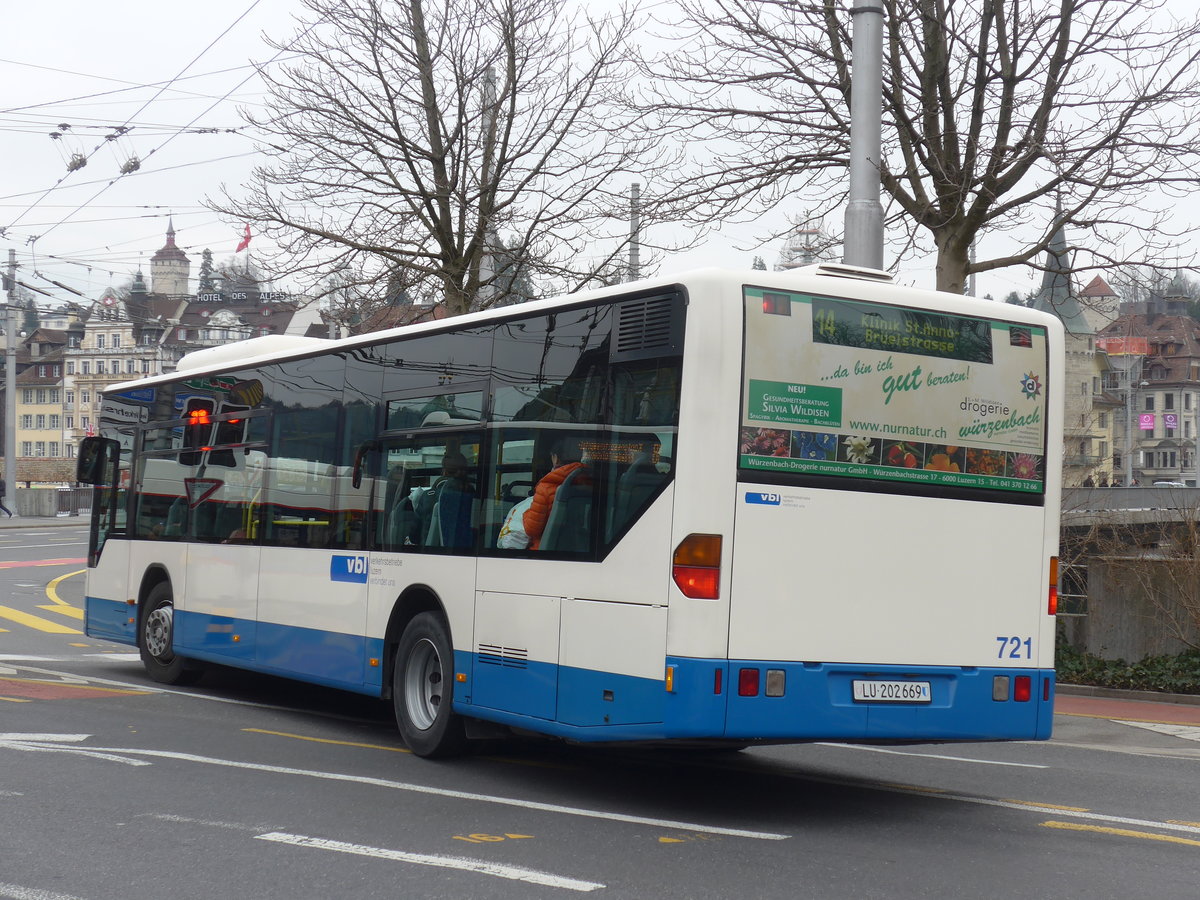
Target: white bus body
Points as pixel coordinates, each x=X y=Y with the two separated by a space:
x=827 y=511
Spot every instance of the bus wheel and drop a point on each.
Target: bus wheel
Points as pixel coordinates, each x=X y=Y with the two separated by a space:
x=423 y=689
x=156 y=641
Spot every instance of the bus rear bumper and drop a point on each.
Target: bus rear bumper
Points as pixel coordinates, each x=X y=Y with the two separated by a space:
x=767 y=700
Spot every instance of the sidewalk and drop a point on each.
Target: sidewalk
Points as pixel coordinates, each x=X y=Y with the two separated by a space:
x=43 y=521
x=1131 y=706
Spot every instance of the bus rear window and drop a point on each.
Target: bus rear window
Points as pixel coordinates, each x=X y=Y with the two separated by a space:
x=860 y=390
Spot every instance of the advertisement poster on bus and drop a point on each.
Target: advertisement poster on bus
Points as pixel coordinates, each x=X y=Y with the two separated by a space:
x=869 y=390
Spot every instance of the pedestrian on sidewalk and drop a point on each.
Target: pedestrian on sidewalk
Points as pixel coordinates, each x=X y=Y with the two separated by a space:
x=4 y=509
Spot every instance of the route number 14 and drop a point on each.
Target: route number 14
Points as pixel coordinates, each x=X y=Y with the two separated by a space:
x=1015 y=648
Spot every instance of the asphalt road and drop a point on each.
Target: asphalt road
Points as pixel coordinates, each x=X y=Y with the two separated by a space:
x=114 y=788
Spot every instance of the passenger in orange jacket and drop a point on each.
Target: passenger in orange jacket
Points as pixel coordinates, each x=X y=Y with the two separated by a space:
x=535 y=517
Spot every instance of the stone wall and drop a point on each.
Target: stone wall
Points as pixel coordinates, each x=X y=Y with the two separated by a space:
x=41 y=470
x=1131 y=618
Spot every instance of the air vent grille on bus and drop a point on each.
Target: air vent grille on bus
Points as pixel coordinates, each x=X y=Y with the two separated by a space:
x=495 y=655
x=648 y=326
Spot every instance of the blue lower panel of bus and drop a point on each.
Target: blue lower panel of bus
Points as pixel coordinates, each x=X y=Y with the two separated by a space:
x=328 y=658
x=109 y=620
x=816 y=702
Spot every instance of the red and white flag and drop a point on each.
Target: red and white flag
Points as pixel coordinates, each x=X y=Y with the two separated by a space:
x=245 y=242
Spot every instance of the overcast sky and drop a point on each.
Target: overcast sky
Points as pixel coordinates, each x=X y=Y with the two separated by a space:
x=177 y=75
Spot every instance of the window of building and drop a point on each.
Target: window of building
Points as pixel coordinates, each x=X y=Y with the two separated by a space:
x=1103 y=420
x=54 y=395
x=99 y=342
x=71 y=367
x=68 y=421
x=39 y=448
x=116 y=342
x=1168 y=401
x=26 y=448
x=41 y=395
x=54 y=422
x=1149 y=403
x=145 y=366
x=27 y=422
x=100 y=369
x=70 y=397
x=85 y=397
x=41 y=422
x=54 y=448
x=85 y=368
x=27 y=395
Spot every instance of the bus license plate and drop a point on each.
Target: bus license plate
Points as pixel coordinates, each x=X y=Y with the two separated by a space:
x=892 y=691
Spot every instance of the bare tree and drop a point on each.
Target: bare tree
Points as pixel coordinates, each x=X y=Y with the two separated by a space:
x=410 y=143
x=994 y=111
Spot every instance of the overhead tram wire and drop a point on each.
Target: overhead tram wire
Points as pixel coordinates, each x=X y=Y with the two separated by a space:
x=143 y=107
x=221 y=99
x=133 y=86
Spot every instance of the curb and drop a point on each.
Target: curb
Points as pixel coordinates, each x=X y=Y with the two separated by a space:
x=1087 y=690
x=44 y=521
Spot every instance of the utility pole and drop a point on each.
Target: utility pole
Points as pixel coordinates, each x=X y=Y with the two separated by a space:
x=10 y=378
x=864 y=212
x=635 y=232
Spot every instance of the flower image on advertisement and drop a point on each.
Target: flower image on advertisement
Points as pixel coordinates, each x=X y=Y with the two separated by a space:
x=859 y=449
x=1031 y=386
x=983 y=461
x=945 y=459
x=765 y=441
x=903 y=454
x=1026 y=465
x=814 y=445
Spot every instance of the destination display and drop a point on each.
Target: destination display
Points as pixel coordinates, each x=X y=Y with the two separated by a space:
x=869 y=390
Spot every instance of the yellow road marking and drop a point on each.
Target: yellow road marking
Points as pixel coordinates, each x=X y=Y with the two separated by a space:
x=916 y=788
x=52 y=587
x=58 y=604
x=14 y=699
x=1121 y=832
x=301 y=737
x=1050 y=805
x=37 y=622
x=73 y=686
x=1178 y=822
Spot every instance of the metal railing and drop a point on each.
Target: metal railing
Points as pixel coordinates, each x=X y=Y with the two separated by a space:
x=74 y=501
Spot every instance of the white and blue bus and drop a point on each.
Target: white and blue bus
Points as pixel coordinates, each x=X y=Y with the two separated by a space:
x=800 y=506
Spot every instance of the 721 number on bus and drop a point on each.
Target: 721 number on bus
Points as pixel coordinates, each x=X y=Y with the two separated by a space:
x=1015 y=648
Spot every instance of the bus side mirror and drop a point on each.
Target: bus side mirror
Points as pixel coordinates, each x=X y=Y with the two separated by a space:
x=359 y=460
x=94 y=452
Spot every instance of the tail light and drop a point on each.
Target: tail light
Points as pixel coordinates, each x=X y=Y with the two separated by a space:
x=1022 y=688
x=1052 y=601
x=696 y=566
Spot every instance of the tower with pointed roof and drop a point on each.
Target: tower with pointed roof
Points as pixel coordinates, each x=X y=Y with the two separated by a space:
x=1089 y=411
x=170 y=268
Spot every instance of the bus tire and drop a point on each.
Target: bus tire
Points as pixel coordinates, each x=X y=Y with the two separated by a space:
x=423 y=689
x=156 y=638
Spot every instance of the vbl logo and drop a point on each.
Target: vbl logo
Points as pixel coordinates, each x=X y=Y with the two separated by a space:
x=763 y=498
x=348 y=568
